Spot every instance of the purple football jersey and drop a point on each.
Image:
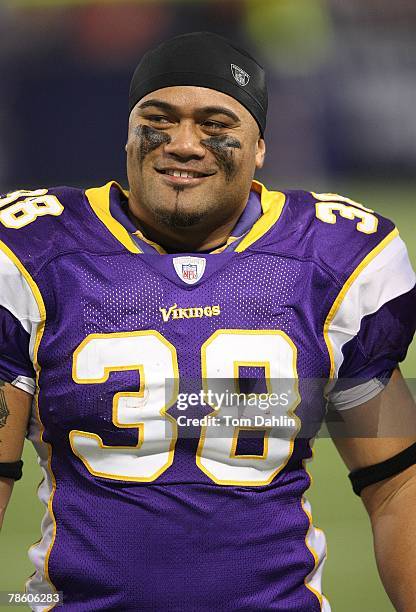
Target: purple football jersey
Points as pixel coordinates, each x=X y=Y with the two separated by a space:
x=148 y=505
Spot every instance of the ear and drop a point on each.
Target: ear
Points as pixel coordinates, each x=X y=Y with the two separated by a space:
x=260 y=153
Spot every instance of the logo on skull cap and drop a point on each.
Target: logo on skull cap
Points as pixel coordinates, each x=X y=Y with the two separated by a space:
x=240 y=75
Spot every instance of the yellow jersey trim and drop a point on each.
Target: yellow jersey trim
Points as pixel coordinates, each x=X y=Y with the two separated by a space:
x=230 y=240
x=272 y=203
x=340 y=297
x=42 y=311
x=99 y=200
x=156 y=246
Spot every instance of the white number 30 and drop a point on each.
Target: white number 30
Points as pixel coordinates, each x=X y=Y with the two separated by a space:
x=24 y=207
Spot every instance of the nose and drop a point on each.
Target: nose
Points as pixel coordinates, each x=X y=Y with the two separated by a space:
x=185 y=142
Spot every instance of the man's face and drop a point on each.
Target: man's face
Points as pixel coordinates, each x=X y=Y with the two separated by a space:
x=191 y=155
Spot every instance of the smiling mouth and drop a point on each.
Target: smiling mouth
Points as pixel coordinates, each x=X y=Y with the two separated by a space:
x=184 y=174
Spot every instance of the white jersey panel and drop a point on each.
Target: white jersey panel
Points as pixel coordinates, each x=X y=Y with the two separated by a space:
x=17 y=297
x=387 y=276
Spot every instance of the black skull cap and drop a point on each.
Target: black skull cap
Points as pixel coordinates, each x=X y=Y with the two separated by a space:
x=203 y=59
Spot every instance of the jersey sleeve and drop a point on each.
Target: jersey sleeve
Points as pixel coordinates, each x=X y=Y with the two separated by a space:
x=19 y=321
x=372 y=325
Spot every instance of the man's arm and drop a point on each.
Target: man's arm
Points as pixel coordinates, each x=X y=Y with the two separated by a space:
x=390 y=503
x=15 y=406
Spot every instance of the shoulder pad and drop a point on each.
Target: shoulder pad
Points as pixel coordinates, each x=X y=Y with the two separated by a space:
x=41 y=224
x=332 y=230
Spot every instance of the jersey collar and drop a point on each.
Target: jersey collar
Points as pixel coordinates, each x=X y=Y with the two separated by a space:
x=251 y=226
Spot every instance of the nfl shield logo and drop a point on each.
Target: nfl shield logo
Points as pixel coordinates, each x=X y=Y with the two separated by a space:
x=189 y=269
x=240 y=75
x=189 y=272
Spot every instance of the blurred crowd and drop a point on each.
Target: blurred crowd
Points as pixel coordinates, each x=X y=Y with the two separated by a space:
x=341 y=77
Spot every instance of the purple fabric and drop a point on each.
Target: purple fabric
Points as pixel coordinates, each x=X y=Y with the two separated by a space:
x=381 y=343
x=232 y=548
x=182 y=541
x=118 y=209
x=252 y=379
x=249 y=216
x=14 y=348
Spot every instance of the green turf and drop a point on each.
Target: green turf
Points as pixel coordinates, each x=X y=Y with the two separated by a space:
x=350 y=579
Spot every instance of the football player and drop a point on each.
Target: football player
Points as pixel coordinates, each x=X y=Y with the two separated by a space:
x=116 y=304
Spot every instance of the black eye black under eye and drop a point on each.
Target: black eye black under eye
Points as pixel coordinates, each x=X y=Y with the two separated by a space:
x=150 y=139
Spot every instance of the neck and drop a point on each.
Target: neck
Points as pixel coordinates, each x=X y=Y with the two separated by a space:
x=199 y=237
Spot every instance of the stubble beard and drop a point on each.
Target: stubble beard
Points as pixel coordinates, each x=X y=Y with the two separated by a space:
x=177 y=219
x=178 y=216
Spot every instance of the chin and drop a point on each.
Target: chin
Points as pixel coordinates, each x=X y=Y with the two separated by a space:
x=178 y=219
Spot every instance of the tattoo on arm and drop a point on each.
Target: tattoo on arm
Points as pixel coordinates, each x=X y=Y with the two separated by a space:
x=4 y=412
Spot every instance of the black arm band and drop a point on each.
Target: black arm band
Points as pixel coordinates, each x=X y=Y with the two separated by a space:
x=380 y=471
x=11 y=470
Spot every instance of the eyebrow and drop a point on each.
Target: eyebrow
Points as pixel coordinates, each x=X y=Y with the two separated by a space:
x=205 y=110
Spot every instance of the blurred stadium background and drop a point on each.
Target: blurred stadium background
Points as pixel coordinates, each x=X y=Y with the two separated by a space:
x=342 y=119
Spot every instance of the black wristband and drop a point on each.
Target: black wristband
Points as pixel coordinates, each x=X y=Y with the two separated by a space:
x=385 y=469
x=11 y=470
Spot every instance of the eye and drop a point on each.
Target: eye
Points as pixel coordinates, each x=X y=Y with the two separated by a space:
x=159 y=119
x=214 y=125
